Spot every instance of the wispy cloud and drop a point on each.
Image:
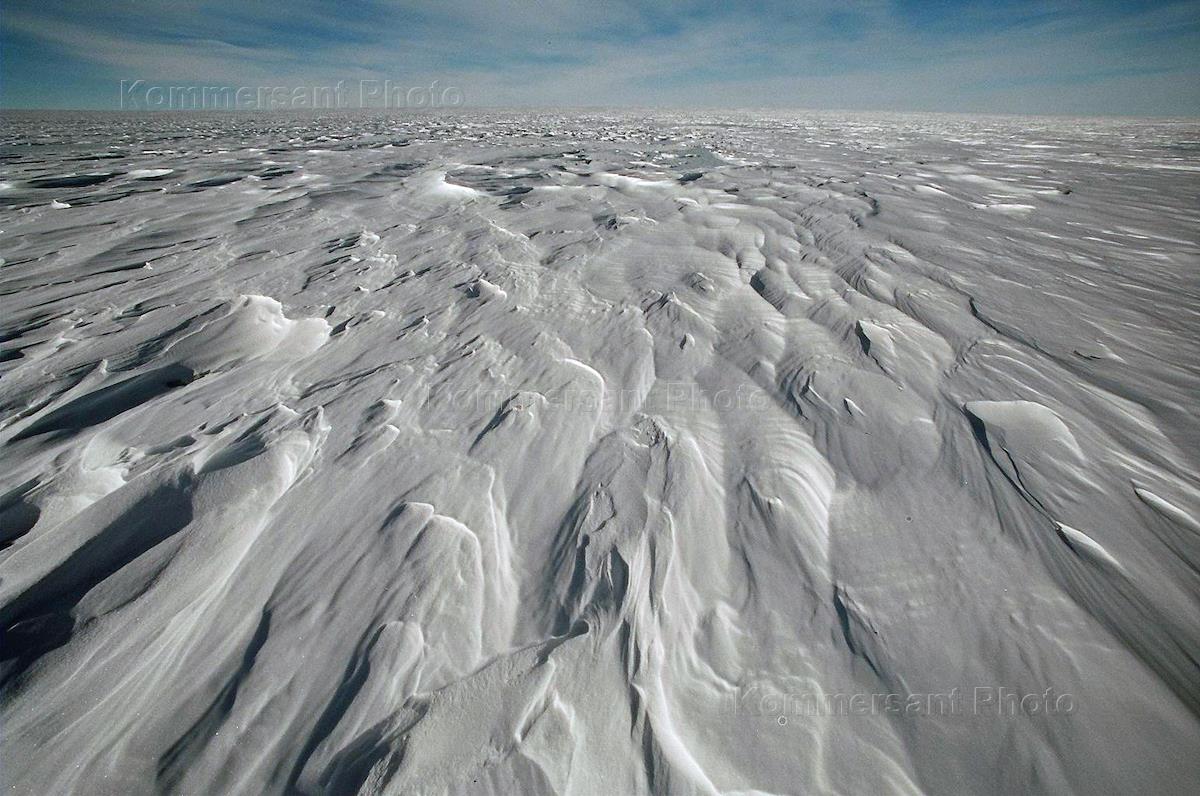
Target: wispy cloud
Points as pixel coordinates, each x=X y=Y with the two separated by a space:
x=1058 y=56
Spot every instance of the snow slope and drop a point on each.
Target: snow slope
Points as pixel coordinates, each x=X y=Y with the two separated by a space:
x=605 y=453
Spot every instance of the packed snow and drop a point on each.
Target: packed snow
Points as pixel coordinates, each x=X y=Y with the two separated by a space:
x=599 y=453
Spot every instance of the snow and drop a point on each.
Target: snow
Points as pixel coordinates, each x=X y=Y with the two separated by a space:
x=582 y=452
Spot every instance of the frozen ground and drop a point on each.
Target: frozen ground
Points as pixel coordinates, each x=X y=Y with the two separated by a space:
x=599 y=454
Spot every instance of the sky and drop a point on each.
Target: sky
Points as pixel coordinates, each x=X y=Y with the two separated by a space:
x=1136 y=58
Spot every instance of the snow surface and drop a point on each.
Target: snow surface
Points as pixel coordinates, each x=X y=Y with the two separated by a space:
x=503 y=453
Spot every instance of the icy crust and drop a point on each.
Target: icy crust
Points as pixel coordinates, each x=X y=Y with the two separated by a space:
x=744 y=454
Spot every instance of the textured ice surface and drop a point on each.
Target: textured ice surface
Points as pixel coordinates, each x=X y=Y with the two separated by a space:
x=604 y=453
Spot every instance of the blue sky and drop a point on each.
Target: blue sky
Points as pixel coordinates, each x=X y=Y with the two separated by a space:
x=1056 y=56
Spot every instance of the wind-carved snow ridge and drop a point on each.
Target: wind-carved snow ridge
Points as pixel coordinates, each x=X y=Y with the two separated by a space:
x=503 y=453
